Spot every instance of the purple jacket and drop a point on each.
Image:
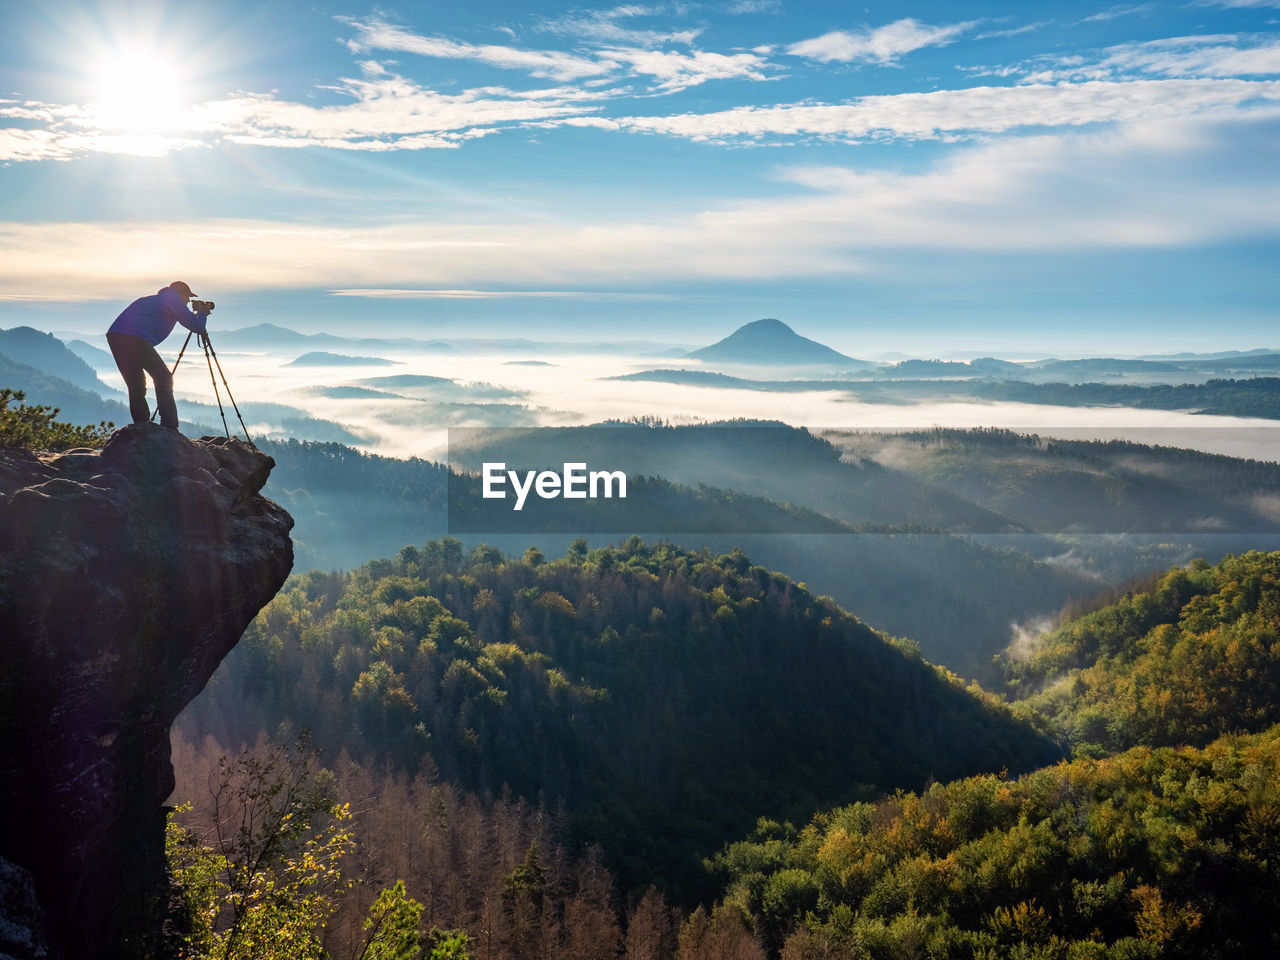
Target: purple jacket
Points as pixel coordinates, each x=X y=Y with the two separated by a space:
x=152 y=318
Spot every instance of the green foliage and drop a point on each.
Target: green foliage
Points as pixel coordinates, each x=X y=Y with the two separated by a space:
x=264 y=876
x=392 y=927
x=1165 y=852
x=666 y=697
x=1156 y=851
x=350 y=506
x=1254 y=397
x=1054 y=485
x=449 y=945
x=264 y=880
x=523 y=894
x=1195 y=656
x=38 y=427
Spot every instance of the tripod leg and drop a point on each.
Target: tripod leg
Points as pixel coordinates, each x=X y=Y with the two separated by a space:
x=209 y=347
x=180 y=353
x=216 y=395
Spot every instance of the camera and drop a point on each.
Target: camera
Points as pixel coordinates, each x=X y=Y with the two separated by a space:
x=202 y=306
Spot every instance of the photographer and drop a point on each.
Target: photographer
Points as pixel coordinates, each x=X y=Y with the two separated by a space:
x=133 y=338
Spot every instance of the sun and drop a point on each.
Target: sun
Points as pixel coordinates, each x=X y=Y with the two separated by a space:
x=139 y=94
x=140 y=90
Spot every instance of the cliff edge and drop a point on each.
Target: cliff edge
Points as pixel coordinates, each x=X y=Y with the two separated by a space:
x=126 y=575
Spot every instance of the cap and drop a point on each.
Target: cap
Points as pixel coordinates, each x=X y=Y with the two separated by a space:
x=183 y=288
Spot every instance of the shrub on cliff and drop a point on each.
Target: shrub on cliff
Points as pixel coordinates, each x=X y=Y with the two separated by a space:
x=38 y=427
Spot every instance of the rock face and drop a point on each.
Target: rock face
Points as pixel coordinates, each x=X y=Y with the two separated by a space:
x=126 y=575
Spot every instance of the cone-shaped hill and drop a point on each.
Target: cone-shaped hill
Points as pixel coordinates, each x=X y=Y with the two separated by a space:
x=771 y=342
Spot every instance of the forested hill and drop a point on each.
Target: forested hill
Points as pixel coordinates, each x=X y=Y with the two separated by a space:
x=1152 y=853
x=350 y=507
x=669 y=698
x=760 y=457
x=1053 y=485
x=1166 y=849
x=1195 y=656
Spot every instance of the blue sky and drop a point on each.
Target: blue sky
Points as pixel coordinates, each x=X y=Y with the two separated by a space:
x=1071 y=177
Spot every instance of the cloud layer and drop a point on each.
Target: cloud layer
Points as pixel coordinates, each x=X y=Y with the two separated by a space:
x=625 y=63
x=950 y=113
x=1048 y=193
x=1153 y=145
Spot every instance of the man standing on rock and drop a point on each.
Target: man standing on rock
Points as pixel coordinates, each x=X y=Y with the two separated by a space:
x=133 y=338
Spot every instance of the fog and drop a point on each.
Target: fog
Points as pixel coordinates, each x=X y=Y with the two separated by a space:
x=394 y=418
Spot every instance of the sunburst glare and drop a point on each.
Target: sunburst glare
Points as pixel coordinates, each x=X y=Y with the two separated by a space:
x=140 y=97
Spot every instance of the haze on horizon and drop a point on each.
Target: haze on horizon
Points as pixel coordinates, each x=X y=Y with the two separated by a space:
x=442 y=389
x=882 y=345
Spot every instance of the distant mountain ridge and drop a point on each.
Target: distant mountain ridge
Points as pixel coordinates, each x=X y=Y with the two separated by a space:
x=270 y=336
x=95 y=357
x=76 y=405
x=321 y=358
x=48 y=354
x=771 y=342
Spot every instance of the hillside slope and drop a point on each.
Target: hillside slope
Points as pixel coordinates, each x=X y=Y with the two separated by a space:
x=667 y=697
x=351 y=507
x=50 y=355
x=1166 y=849
x=1195 y=656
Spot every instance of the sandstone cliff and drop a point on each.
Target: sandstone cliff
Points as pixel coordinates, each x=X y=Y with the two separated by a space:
x=126 y=575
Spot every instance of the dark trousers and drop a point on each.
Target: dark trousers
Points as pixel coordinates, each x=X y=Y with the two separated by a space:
x=135 y=357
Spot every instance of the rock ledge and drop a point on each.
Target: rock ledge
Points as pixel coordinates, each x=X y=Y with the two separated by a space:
x=126 y=575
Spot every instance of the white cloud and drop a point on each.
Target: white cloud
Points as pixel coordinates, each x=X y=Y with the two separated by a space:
x=630 y=51
x=1121 y=10
x=31 y=110
x=951 y=113
x=1213 y=55
x=606 y=26
x=377 y=34
x=1239 y=3
x=1152 y=184
x=388 y=109
x=395 y=293
x=677 y=71
x=1205 y=56
x=754 y=6
x=882 y=45
x=17 y=144
x=1013 y=31
x=67 y=139
x=383 y=112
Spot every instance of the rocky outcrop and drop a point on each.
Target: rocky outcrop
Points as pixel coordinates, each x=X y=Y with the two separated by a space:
x=20 y=924
x=126 y=575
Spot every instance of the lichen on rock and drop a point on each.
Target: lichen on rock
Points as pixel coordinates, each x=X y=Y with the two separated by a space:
x=126 y=575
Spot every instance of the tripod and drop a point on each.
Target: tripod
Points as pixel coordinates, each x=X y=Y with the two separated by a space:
x=211 y=359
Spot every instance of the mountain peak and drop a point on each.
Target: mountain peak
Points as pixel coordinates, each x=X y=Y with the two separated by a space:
x=768 y=324
x=769 y=341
